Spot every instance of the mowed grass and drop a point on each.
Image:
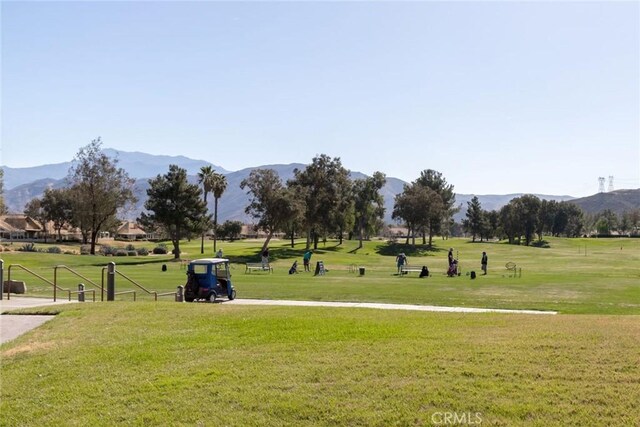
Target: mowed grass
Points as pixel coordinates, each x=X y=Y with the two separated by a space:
x=163 y=363
x=148 y=363
x=587 y=276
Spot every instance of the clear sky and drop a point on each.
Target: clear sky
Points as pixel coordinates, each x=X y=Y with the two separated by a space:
x=501 y=97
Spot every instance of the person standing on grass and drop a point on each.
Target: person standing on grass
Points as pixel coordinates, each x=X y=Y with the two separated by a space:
x=483 y=262
x=306 y=258
x=450 y=257
x=401 y=260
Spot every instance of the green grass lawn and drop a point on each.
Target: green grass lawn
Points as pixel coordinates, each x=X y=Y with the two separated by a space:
x=563 y=278
x=147 y=363
x=163 y=363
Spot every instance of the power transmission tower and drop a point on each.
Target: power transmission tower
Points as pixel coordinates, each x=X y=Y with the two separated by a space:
x=601 y=184
x=610 y=183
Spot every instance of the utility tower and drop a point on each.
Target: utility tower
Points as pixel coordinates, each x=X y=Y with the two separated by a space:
x=601 y=184
x=610 y=183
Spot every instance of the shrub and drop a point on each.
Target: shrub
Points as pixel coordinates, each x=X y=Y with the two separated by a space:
x=85 y=250
x=161 y=249
x=28 y=247
x=121 y=252
x=143 y=251
x=107 y=250
x=130 y=247
x=54 y=250
x=132 y=253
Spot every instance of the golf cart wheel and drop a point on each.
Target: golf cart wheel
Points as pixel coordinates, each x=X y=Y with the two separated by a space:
x=188 y=299
x=233 y=295
x=212 y=297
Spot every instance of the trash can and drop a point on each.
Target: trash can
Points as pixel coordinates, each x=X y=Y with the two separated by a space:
x=362 y=271
x=164 y=267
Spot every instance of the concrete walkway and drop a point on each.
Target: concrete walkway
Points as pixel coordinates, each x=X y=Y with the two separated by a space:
x=14 y=325
x=384 y=306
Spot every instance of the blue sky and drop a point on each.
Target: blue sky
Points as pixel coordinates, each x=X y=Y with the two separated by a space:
x=501 y=97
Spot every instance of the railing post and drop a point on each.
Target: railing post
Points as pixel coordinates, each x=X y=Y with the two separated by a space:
x=81 y=292
x=1 y=278
x=180 y=294
x=111 y=281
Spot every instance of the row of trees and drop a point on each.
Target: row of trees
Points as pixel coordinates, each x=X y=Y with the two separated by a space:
x=320 y=201
x=524 y=217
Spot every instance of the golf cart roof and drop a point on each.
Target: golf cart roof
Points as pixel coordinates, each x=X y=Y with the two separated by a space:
x=207 y=261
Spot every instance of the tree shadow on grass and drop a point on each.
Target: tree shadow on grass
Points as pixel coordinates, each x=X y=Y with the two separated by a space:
x=275 y=254
x=393 y=249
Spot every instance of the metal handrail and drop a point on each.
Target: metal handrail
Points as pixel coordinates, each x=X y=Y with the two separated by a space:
x=55 y=275
x=139 y=285
x=55 y=287
x=127 y=292
x=93 y=291
x=166 y=294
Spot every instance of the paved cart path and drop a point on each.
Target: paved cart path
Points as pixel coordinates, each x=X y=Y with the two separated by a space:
x=384 y=306
x=12 y=325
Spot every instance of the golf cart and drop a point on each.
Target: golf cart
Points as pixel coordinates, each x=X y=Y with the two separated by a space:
x=208 y=279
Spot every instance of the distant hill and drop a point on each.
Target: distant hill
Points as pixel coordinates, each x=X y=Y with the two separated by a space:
x=138 y=165
x=618 y=201
x=14 y=177
x=233 y=202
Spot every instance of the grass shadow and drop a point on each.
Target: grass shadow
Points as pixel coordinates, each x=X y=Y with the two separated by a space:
x=393 y=249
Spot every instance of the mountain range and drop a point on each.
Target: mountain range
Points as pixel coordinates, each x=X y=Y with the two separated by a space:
x=23 y=184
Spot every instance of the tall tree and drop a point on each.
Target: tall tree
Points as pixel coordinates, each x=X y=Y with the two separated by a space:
x=368 y=203
x=219 y=186
x=269 y=201
x=175 y=205
x=101 y=188
x=473 y=223
x=509 y=222
x=326 y=183
x=205 y=178
x=419 y=206
x=34 y=209
x=436 y=182
x=57 y=205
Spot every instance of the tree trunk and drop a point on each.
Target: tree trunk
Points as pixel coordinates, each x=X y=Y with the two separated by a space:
x=176 y=249
x=308 y=245
x=215 y=223
x=293 y=240
x=93 y=243
x=204 y=232
x=266 y=242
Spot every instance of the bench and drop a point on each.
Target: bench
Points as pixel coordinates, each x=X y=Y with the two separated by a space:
x=407 y=268
x=258 y=266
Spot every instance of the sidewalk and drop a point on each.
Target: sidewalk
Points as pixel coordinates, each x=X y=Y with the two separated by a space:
x=14 y=325
x=384 y=306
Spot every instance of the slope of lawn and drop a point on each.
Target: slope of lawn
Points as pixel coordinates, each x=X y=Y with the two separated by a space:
x=148 y=363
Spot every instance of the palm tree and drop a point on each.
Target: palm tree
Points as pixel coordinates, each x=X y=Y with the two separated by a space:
x=219 y=185
x=206 y=178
